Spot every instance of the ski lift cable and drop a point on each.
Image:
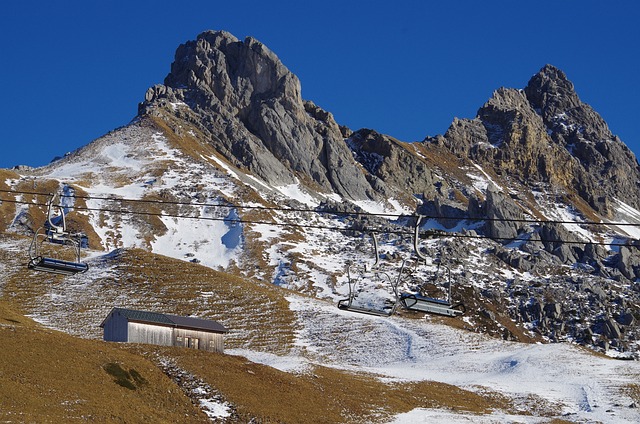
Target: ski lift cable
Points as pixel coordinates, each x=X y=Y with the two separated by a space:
x=219 y=205
x=203 y=218
x=332 y=212
x=326 y=227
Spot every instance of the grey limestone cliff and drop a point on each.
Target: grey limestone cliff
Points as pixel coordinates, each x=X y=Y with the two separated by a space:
x=249 y=106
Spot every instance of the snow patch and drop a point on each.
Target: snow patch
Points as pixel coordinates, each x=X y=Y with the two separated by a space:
x=296 y=192
x=480 y=183
x=579 y=385
x=288 y=363
x=394 y=208
x=198 y=239
x=627 y=214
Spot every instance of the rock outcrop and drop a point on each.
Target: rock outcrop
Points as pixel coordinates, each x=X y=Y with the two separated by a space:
x=545 y=134
x=389 y=162
x=249 y=106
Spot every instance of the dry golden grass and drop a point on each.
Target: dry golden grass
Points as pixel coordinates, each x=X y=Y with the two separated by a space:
x=35 y=213
x=7 y=174
x=246 y=307
x=437 y=157
x=6 y=208
x=48 y=376
x=137 y=278
x=180 y=137
x=78 y=221
x=582 y=206
x=320 y=395
x=258 y=317
x=20 y=285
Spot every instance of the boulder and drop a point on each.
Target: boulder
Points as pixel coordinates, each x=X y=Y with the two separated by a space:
x=553 y=310
x=628 y=262
x=500 y=212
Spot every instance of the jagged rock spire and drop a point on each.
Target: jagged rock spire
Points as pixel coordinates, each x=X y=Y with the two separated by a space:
x=249 y=106
x=545 y=134
x=554 y=96
x=550 y=87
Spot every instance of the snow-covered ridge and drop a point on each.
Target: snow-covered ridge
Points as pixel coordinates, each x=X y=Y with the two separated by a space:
x=309 y=252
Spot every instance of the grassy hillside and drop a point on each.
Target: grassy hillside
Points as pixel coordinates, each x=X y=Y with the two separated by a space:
x=50 y=376
x=55 y=376
x=256 y=313
x=47 y=375
x=320 y=394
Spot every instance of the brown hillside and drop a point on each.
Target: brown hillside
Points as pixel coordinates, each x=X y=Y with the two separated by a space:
x=49 y=376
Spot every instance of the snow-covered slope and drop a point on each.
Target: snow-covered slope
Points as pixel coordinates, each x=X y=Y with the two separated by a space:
x=556 y=380
x=137 y=163
x=179 y=220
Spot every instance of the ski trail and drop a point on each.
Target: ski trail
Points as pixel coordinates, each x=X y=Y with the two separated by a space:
x=574 y=384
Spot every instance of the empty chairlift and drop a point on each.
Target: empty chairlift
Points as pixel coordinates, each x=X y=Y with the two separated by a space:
x=354 y=303
x=431 y=305
x=54 y=232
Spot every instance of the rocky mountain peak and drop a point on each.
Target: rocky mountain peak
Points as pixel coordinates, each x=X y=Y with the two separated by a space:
x=507 y=114
x=546 y=134
x=550 y=86
x=554 y=97
x=249 y=107
x=231 y=69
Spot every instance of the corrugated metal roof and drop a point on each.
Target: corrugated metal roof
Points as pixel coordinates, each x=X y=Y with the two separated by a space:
x=170 y=320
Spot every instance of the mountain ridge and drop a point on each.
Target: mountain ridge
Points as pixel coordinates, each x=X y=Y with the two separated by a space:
x=231 y=108
x=227 y=168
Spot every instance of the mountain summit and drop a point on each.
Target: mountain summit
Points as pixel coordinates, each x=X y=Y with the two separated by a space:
x=545 y=134
x=532 y=204
x=248 y=106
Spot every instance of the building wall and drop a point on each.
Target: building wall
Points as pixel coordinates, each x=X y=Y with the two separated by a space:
x=115 y=328
x=148 y=333
x=118 y=329
x=212 y=342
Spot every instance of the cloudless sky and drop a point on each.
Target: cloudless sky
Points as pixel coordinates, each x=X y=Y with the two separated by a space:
x=71 y=71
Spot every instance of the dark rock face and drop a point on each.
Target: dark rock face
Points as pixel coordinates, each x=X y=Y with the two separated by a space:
x=392 y=163
x=544 y=133
x=628 y=262
x=250 y=108
x=502 y=215
x=607 y=161
x=553 y=96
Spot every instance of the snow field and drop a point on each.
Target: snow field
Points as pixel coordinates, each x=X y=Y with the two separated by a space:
x=578 y=385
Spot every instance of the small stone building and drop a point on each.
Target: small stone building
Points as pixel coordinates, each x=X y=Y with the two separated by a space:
x=128 y=325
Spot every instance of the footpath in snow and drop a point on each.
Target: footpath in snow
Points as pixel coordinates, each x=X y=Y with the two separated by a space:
x=582 y=386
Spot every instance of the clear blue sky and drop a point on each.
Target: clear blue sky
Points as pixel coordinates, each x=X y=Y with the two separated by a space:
x=73 y=70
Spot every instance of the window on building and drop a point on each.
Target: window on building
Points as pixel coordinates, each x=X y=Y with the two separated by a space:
x=191 y=342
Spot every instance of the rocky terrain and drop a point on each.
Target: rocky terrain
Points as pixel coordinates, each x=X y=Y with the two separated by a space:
x=532 y=204
x=547 y=155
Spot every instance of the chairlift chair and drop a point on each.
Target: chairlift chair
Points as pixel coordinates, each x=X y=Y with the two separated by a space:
x=55 y=233
x=348 y=303
x=431 y=305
